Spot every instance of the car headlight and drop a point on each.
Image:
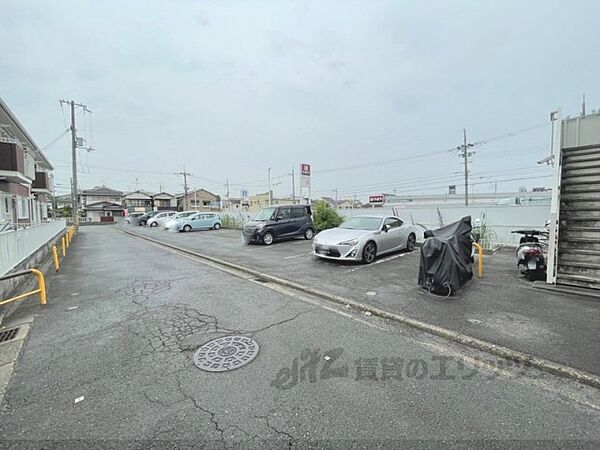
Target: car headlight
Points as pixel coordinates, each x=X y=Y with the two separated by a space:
x=260 y=226
x=349 y=242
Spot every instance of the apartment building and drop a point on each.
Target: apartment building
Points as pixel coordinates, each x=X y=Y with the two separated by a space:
x=26 y=181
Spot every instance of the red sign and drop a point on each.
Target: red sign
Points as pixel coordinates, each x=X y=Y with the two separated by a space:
x=376 y=199
x=305 y=169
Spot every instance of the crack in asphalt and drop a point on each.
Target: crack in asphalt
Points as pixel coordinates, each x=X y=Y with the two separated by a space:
x=213 y=418
x=252 y=333
x=290 y=438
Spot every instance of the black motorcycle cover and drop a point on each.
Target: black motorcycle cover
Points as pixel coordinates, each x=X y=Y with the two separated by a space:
x=446 y=258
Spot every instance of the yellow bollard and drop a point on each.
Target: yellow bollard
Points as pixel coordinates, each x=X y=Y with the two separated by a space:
x=64 y=248
x=41 y=285
x=55 y=258
x=479 y=259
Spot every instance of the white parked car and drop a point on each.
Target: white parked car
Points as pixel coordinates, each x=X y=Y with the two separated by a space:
x=160 y=219
x=172 y=221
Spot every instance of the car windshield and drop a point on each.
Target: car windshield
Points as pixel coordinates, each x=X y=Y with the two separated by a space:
x=362 y=223
x=265 y=214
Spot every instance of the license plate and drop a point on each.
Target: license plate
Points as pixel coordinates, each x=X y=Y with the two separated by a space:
x=532 y=265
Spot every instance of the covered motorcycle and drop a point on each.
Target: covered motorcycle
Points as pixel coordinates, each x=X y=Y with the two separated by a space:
x=446 y=258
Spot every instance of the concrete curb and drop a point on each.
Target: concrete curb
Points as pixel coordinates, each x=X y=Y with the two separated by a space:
x=489 y=347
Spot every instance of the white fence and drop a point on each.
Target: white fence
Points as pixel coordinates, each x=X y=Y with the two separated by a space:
x=500 y=219
x=18 y=245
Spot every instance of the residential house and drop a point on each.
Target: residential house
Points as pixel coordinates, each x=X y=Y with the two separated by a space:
x=138 y=201
x=101 y=204
x=199 y=200
x=26 y=181
x=163 y=201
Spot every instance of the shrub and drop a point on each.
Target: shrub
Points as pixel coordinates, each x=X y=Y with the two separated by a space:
x=324 y=216
x=230 y=222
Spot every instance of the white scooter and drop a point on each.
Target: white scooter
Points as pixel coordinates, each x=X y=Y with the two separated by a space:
x=531 y=259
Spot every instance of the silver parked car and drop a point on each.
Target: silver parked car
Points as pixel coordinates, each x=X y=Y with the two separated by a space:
x=172 y=222
x=364 y=238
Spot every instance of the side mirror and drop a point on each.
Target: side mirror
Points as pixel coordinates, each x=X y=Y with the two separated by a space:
x=278 y=218
x=386 y=228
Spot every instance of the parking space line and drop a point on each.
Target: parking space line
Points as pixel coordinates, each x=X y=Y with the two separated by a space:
x=296 y=256
x=300 y=242
x=377 y=262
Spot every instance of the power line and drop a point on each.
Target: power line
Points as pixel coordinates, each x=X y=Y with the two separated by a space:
x=433 y=183
x=55 y=140
x=433 y=153
x=408 y=182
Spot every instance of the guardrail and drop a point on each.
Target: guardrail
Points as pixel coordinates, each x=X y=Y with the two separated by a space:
x=65 y=242
x=40 y=290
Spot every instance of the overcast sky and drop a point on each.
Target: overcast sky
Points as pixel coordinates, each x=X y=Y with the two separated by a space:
x=232 y=88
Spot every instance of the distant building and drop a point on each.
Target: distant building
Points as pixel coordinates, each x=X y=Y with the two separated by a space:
x=349 y=204
x=138 y=201
x=164 y=201
x=537 y=197
x=259 y=201
x=101 y=204
x=199 y=200
x=330 y=201
x=232 y=204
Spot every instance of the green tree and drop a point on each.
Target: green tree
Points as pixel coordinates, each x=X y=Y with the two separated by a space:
x=324 y=216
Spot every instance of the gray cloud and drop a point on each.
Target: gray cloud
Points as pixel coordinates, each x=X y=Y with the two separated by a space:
x=231 y=88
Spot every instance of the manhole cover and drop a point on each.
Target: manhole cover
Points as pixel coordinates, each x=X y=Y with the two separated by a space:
x=226 y=353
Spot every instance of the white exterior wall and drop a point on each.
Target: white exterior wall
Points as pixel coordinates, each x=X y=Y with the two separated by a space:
x=501 y=219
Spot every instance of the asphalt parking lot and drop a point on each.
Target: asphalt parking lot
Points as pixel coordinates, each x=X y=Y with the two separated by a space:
x=501 y=307
x=109 y=363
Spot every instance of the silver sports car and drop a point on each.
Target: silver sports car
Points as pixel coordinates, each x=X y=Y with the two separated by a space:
x=364 y=238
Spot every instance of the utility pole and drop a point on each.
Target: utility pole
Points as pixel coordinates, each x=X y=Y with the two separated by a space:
x=227 y=194
x=75 y=207
x=465 y=153
x=185 y=188
x=74 y=184
x=336 y=198
x=269 y=176
x=293 y=188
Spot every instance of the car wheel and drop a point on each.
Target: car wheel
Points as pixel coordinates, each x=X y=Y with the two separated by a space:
x=369 y=252
x=267 y=238
x=142 y=223
x=187 y=228
x=154 y=224
x=308 y=234
x=410 y=242
x=217 y=226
